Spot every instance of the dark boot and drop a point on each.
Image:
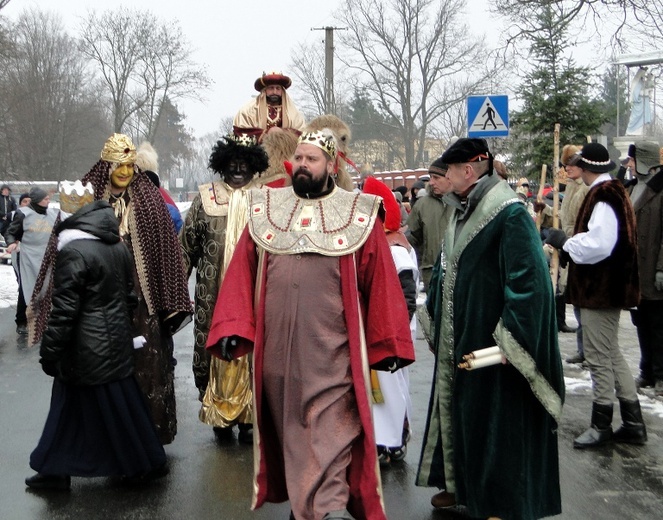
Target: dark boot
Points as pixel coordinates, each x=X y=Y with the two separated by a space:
x=600 y=431
x=245 y=433
x=560 y=311
x=633 y=429
x=39 y=481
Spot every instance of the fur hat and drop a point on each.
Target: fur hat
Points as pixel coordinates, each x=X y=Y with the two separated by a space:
x=646 y=155
x=594 y=157
x=147 y=157
x=272 y=78
x=241 y=148
x=466 y=150
x=392 y=217
x=568 y=153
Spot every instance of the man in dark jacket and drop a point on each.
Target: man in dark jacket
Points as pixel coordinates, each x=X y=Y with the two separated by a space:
x=647 y=199
x=7 y=205
x=428 y=221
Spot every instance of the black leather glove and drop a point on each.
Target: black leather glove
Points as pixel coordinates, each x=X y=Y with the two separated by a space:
x=389 y=364
x=50 y=368
x=227 y=346
x=556 y=238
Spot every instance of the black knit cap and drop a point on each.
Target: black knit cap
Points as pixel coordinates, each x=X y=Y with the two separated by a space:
x=438 y=167
x=594 y=157
x=466 y=150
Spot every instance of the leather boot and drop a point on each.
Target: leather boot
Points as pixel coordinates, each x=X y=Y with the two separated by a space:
x=632 y=430
x=600 y=431
x=560 y=311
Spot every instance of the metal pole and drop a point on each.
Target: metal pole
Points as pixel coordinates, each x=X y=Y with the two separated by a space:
x=618 y=96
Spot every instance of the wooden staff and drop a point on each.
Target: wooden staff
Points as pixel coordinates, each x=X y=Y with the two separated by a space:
x=554 y=261
x=539 y=197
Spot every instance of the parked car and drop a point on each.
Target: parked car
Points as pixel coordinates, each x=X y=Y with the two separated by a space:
x=5 y=257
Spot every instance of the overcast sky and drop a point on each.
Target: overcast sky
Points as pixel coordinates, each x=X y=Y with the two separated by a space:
x=239 y=39
x=236 y=40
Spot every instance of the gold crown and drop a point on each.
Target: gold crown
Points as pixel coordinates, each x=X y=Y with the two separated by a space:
x=73 y=195
x=323 y=139
x=119 y=149
x=243 y=139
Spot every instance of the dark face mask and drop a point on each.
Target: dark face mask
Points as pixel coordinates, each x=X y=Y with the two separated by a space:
x=237 y=174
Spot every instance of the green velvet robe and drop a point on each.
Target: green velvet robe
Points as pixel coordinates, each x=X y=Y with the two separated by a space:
x=491 y=434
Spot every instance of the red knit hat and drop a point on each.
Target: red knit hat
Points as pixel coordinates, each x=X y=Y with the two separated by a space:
x=392 y=219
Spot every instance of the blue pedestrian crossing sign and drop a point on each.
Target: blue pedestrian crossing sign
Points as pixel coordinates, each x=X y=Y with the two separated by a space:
x=488 y=116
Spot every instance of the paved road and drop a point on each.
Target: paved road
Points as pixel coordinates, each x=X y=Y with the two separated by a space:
x=213 y=481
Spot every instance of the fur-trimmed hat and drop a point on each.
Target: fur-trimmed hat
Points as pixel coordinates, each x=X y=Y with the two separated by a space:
x=240 y=148
x=646 y=155
x=594 y=157
x=392 y=218
x=147 y=157
x=569 y=154
x=466 y=150
x=272 y=78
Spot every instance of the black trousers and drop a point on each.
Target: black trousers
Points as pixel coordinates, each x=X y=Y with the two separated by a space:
x=648 y=319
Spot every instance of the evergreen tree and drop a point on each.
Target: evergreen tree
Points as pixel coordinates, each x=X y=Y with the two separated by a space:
x=556 y=90
x=614 y=87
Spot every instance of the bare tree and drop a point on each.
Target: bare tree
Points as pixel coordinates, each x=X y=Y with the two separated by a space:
x=143 y=62
x=308 y=66
x=51 y=116
x=595 y=16
x=409 y=54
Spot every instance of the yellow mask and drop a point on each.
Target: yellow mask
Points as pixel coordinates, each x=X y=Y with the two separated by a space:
x=122 y=176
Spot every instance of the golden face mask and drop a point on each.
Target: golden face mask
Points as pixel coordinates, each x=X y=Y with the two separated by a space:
x=122 y=176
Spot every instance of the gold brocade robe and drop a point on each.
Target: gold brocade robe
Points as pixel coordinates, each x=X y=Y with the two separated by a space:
x=213 y=226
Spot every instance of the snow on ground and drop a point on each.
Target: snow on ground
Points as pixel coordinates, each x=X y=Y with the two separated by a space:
x=8 y=286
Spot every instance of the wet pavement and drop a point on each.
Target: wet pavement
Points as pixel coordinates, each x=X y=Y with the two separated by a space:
x=209 y=480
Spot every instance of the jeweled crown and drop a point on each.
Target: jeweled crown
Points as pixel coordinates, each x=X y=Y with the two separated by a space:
x=323 y=139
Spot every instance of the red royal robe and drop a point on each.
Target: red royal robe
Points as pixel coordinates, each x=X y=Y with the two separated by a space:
x=386 y=332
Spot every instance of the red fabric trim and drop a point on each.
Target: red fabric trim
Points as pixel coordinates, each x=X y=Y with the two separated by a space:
x=382 y=296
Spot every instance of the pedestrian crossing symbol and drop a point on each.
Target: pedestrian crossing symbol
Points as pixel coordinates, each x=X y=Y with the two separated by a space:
x=488 y=116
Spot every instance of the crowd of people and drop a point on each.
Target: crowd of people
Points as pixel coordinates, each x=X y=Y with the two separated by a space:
x=305 y=314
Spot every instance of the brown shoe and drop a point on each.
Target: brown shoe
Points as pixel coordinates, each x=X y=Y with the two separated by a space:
x=443 y=500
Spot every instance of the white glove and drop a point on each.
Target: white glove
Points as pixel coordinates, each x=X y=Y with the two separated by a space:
x=658 y=281
x=139 y=341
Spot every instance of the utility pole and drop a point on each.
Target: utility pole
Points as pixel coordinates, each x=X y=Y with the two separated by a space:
x=330 y=102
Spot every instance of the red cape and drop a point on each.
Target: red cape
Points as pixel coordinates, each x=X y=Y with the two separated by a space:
x=387 y=334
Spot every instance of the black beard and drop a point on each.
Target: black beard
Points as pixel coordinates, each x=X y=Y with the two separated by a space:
x=274 y=100
x=304 y=185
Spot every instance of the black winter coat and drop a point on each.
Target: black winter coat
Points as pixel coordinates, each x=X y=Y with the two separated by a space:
x=89 y=335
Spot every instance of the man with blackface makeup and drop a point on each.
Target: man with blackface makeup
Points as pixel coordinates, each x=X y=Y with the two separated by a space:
x=312 y=291
x=213 y=226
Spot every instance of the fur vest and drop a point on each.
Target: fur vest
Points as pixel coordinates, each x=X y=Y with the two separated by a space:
x=612 y=282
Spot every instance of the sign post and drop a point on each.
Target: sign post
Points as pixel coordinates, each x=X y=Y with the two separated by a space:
x=488 y=116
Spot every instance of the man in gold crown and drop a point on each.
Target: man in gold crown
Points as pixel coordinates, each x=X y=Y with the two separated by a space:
x=271 y=108
x=164 y=305
x=307 y=290
x=213 y=225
